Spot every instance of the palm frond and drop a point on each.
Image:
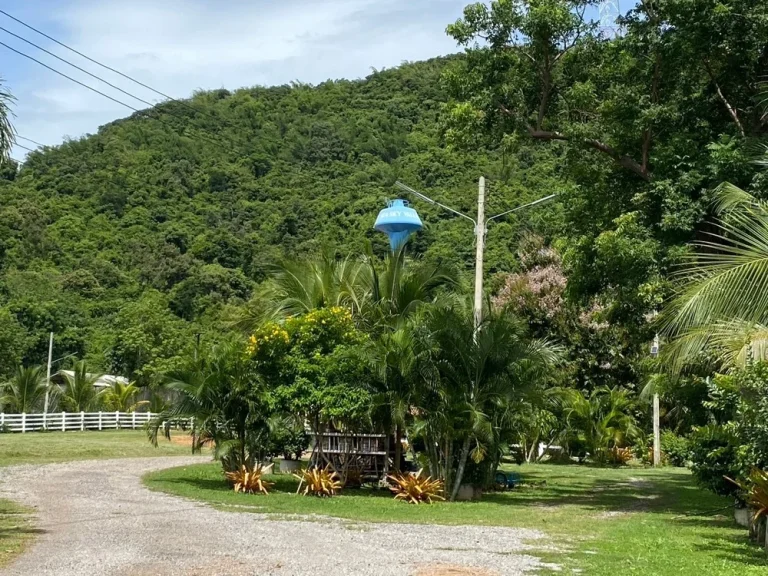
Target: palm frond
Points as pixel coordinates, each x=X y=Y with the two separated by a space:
x=7 y=132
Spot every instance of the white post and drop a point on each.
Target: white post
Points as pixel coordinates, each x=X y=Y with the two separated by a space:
x=2 y=419
x=23 y=422
x=656 y=432
x=48 y=382
x=82 y=421
x=63 y=421
x=656 y=425
x=480 y=236
x=117 y=419
x=99 y=419
x=133 y=420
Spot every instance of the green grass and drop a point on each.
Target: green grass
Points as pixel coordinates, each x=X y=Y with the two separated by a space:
x=16 y=529
x=43 y=447
x=607 y=521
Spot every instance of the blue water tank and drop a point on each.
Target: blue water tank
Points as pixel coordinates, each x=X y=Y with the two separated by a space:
x=398 y=221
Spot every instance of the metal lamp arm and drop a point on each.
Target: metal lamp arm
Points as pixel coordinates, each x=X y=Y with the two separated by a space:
x=436 y=203
x=539 y=201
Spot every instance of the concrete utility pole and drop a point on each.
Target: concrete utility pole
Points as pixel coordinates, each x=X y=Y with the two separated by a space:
x=48 y=381
x=480 y=231
x=479 y=254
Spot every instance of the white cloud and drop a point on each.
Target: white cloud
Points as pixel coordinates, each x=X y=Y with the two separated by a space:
x=178 y=46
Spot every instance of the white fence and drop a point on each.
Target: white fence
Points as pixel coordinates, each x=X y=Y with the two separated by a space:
x=63 y=421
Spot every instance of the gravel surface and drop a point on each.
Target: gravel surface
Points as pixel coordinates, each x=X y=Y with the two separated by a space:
x=98 y=519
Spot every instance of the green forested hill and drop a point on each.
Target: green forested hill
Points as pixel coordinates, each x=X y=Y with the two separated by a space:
x=128 y=242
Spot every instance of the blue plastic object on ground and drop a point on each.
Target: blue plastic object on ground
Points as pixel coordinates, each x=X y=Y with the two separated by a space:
x=398 y=221
x=507 y=479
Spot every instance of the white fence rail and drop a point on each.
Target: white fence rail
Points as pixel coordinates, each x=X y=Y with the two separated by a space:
x=63 y=421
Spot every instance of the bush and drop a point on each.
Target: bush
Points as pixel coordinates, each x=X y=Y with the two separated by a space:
x=288 y=440
x=676 y=448
x=714 y=454
x=415 y=488
x=619 y=456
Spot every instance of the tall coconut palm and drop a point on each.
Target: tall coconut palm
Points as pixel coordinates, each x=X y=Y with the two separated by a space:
x=24 y=392
x=7 y=133
x=79 y=393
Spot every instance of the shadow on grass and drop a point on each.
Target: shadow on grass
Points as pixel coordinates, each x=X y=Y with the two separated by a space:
x=731 y=544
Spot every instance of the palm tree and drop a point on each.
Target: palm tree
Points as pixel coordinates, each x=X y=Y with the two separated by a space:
x=398 y=360
x=24 y=392
x=122 y=398
x=721 y=308
x=7 y=133
x=299 y=286
x=601 y=420
x=79 y=393
x=227 y=403
x=480 y=370
x=401 y=287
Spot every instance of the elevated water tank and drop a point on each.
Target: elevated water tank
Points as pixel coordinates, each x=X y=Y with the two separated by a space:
x=398 y=221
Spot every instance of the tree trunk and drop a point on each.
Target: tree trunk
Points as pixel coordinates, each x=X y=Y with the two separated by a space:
x=398 y=447
x=460 y=470
x=447 y=466
x=385 y=472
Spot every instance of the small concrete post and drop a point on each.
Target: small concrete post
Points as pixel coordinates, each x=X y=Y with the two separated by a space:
x=99 y=419
x=82 y=421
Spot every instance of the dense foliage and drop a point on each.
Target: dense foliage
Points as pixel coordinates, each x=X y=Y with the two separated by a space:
x=128 y=242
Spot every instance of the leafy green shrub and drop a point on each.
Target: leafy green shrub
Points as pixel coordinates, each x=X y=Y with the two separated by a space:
x=714 y=454
x=288 y=439
x=676 y=448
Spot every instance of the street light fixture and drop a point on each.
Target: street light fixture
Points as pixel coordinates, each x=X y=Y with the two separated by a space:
x=481 y=230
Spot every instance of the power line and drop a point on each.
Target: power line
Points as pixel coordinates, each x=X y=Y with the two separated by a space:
x=83 y=84
x=75 y=66
x=91 y=88
x=29 y=140
x=106 y=67
x=25 y=148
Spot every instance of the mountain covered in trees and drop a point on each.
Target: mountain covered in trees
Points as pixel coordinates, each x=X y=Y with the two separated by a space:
x=130 y=242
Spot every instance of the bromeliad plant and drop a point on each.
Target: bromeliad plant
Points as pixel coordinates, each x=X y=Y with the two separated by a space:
x=415 y=488
x=249 y=480
x=321 y=482
x=755 y=492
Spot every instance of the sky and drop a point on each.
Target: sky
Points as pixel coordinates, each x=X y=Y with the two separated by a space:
x=178 y=46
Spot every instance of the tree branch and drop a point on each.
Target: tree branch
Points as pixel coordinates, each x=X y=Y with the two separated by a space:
x=624 y=161
x=546 y=135
x=728 y=106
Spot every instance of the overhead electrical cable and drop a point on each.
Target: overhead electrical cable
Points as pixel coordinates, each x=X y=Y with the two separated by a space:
x=111 y=69
x=99 y=92
x=29 y=140
x=83 y=84
x=83 y=70
x=24 y=147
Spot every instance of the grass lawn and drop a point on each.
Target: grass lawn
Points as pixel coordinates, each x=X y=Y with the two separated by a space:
x=608 y=521
x=42 y=447
x=38 y=448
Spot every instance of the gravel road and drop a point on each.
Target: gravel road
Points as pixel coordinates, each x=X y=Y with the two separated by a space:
x=98 y=519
